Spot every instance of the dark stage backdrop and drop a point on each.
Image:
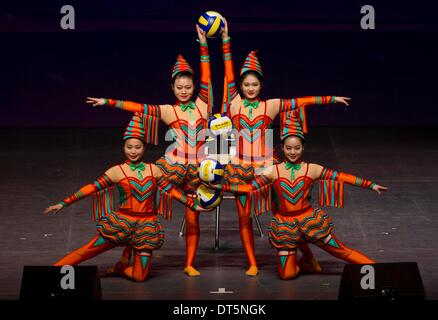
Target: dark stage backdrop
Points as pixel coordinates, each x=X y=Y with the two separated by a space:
x=127 y=52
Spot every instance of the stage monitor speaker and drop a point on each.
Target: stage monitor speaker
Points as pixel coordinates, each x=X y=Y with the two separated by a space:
x=381 y=281
x=60 y=283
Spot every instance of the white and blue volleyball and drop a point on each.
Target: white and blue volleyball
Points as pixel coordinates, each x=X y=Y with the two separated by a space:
x=211 y=22
x=208 y=198
x=210 y=170
x=220 y=124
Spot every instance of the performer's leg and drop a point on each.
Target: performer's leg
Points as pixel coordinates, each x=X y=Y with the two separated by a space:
x=308 y=263
x=287 y=264
x=140 y=268
x=246 y=233
x=336 y=248
x=122 y=263
x=96 y=246
x=126 y=255
x=192 y=240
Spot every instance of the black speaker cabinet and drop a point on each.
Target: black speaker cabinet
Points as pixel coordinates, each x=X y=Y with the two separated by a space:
x=60 y=283
x=381 y=281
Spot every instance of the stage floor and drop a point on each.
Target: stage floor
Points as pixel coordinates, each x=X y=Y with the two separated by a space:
x=41 y=166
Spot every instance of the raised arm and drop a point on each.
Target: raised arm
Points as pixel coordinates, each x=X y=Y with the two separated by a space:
x=230 y=88
x=205 y=90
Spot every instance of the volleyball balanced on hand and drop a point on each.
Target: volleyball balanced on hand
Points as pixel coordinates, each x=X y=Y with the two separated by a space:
x=211 y=22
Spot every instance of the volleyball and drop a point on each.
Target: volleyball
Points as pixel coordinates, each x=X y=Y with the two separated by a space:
x=211 y=171
x=208 y=198
x=220 y=124
x=211 y=22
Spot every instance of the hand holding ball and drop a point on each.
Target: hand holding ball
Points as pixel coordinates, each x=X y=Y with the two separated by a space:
x=212 y=23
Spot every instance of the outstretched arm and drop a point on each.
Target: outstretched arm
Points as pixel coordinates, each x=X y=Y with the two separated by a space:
x=148 y=109
x=329 y=174
x=276 y=106
x=331 y=185
x=260 y=181
x=151 y=114
x=103 y=182
x=166 y=186
x=293 y=111
x=230 y=88
x=205 y=90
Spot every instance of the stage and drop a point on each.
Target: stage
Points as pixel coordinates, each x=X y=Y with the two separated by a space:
x=42 y=166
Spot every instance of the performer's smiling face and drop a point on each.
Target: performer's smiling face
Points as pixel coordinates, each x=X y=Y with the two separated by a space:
x=251 y=87
x=134 y=149
x=183 y=88
x=293 y=148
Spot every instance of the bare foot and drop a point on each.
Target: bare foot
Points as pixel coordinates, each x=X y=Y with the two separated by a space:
x=252 y=271
x=191 y=272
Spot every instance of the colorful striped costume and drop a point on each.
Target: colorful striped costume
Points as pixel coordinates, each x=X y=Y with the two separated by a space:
x=189 y=139
x=186 y=177
x=134 y=225
x=255 y=151
x=180 y=165
x=253 y=148
x=296 y=222
x=189 y=134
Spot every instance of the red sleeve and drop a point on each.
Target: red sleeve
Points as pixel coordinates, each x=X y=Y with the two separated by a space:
x=166 y=186
x=230 y=88
x=296 y=103
x=329 y=174
x=257 y=183
x=148 y=109
x=101 y=183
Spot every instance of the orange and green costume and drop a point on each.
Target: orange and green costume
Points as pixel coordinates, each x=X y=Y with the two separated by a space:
x=189 y=135
x=134 y=225
x=254 y=150
x=296 y=222
x=180 y=165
